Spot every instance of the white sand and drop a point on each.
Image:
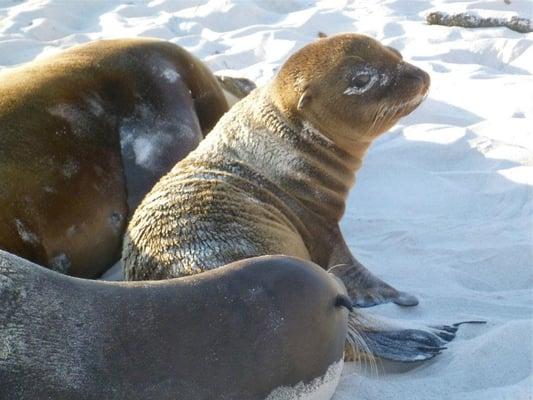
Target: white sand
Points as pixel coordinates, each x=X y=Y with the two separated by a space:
x=443 y=205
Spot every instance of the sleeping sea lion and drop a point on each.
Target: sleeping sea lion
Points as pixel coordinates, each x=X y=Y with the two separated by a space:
x=84 y=135
x=268 y=328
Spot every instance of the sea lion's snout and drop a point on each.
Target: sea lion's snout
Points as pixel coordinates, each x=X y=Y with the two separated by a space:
x=409 y=90
x=415 y=76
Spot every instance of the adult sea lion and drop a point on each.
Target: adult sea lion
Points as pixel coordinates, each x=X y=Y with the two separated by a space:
x=264 y=328
x=84 y=135
x=273 y=176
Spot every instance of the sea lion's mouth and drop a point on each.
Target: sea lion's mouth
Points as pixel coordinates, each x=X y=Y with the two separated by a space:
x=407 y=107
x=391 y=112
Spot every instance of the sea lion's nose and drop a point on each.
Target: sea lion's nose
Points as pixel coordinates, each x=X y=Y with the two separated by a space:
x=417 y=75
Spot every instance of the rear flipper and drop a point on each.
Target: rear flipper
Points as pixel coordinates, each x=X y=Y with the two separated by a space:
x=391 y=341
x=235 y=88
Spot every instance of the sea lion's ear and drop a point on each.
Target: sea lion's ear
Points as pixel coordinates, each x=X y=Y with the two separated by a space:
x=305 y=98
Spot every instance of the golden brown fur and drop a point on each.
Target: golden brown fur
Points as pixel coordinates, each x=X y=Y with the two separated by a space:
x=273 y=176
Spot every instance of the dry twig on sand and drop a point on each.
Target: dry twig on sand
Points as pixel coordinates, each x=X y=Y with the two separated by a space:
x=518 y=24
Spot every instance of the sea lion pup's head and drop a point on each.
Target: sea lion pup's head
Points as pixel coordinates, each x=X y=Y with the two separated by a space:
x=349 y=87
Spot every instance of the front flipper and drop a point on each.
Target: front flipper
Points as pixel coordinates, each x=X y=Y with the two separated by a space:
x=392 y=342
x=367 y=290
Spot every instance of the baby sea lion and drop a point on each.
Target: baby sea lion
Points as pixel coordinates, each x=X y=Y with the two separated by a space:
x=263 y=328
x=273 y=176
x=84 y=135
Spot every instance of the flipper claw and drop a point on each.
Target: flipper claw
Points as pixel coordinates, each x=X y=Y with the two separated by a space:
x=469 y=322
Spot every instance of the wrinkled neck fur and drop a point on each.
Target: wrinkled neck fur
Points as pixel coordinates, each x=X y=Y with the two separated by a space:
x=294 y=155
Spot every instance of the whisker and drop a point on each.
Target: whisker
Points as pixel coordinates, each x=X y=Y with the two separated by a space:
x=360 y=352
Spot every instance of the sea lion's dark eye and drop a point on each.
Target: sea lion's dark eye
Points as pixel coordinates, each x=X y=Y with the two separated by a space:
x=361 y=80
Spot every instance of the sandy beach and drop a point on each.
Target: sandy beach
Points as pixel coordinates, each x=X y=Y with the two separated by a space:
x=443 y=205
